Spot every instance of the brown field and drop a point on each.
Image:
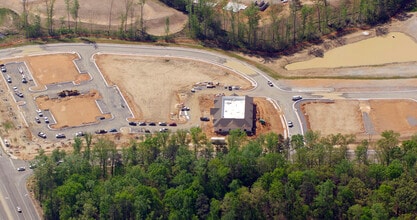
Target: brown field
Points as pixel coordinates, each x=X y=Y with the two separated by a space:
x=66 y=111
x=155 y=86
x=342 y=117
x=397 y=115
x=345 y=117
x=46 y=71
x=96 y=14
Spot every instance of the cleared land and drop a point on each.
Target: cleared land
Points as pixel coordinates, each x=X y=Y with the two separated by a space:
x=54 y=68
x=72 y=111
x=155 y=87
x=334 y=117
x=345 y=117
x=101 y=14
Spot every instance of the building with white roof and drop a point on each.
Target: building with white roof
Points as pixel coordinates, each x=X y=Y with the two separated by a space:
x=233 y=112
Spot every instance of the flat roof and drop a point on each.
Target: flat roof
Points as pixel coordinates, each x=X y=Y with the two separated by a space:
x=233 y=107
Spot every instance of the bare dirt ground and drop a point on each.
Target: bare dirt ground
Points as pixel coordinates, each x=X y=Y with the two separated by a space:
x=345 y=117
x=157 y=93
x=401 y=115
x=329 y=119
x=326 y=117
x=54 y=68
x=94 y=12
x=66 y=111
x=156 y=86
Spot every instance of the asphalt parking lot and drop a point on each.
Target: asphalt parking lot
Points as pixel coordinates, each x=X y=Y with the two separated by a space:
x=21 y=86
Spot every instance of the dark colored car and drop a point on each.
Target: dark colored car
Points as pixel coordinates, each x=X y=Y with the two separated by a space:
x=162 y=124
x=142 y=123
x=204 y=119
x=101 y=131
x=132 y=123
x=152 y=124
x=113 y=130
x=60 y=135
x=173 y=124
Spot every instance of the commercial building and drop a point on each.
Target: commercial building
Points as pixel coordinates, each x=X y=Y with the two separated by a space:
x=233 y=112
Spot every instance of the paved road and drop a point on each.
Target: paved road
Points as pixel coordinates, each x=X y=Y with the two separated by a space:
x=13 y=191
x=12 y=194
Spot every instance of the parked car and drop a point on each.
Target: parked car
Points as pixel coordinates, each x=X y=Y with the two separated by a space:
x=173 y=124
x=297 y=97
x=152 y=124
x=132 y=123
x=21 y=169
x=46 y=120
x=59 y=135
x=37 y=120
x=142 y=123
x=19 y=94
x=79 y=134
x=24 y=80
x=162 y=124
x=101 y=131
x=3 y=68
x=18 y=209
x=113 y=130
x=42 y=135
x=163 y=130
x=204 y=119
x=9 y=79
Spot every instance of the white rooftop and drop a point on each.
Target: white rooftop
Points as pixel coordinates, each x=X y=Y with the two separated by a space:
x=235 y=7
x=233 y=107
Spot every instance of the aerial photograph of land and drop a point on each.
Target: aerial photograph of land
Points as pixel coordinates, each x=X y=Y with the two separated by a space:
x=208 y=109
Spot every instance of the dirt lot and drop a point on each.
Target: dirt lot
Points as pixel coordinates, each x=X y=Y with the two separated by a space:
x=345 y=117
x=326 y=117
x=94 y=12
x=157 y=92
x=46 y=71
x=66 y=111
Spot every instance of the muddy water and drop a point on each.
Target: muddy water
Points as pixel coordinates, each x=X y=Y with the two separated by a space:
x=395 y=47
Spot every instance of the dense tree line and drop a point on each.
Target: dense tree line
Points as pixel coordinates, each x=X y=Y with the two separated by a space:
x=275 y=29
x=182 y=176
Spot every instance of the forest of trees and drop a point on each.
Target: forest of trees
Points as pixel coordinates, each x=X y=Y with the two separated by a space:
x=214 y=26
x=182 y=175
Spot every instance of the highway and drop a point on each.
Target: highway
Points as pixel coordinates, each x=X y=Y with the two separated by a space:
x=12 y=189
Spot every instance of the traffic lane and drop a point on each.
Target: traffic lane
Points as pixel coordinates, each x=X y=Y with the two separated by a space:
x=8 y=190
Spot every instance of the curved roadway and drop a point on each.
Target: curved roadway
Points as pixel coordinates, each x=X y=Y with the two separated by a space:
x=12 y=190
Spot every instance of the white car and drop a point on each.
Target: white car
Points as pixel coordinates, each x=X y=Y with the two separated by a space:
x=21 y=169
x=290 y=124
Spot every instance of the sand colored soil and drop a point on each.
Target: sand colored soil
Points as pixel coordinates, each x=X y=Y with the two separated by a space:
x=345 y=117
x=54 y=68
x=342 y=117
x=399 y=116
x=65 y=109
x=155 y=86
x=97 y=14
x=272 y=116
